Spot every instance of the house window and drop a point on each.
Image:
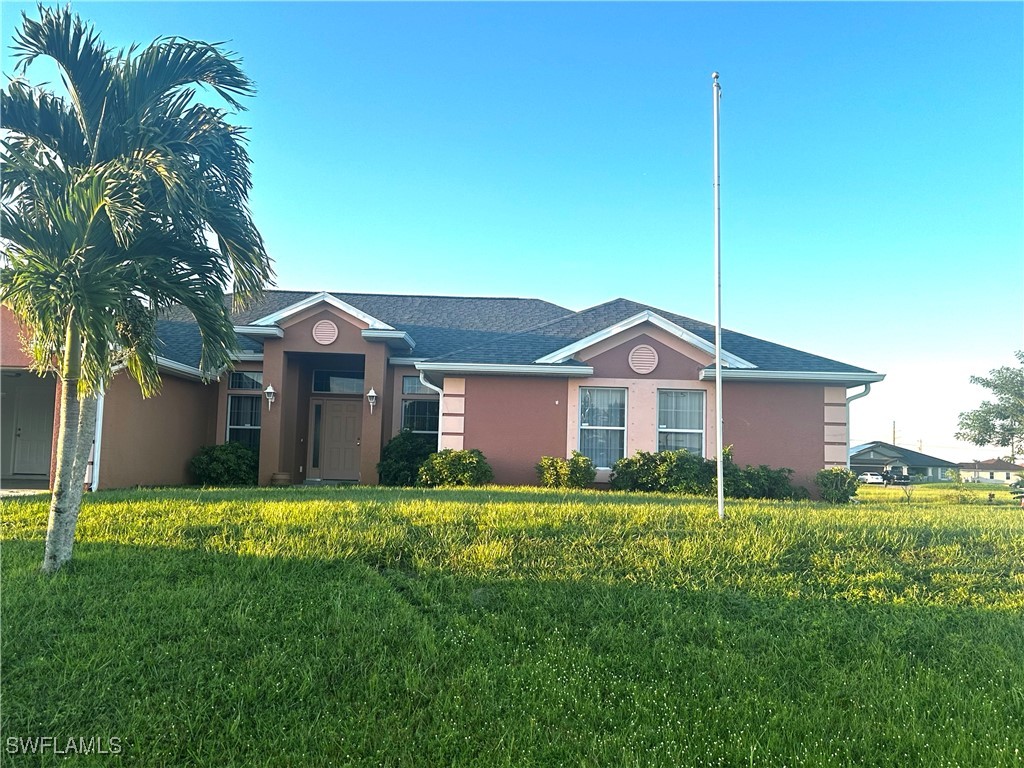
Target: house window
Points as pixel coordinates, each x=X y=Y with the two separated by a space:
x=411 y=385
x=348 y=382
x=991 y=475
x=246 y=380
x=421 y=412
x=420 y=415
x=602 y=425
x=1007 y=475
x=681 y=420
x=244 y=412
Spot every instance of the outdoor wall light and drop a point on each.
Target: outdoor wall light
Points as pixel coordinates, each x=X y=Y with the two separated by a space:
x=271 y=395
x=371 y=398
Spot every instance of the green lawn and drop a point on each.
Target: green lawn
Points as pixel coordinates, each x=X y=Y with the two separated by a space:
x=518 y=627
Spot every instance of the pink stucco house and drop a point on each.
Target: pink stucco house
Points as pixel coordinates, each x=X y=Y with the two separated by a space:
x=516 y=378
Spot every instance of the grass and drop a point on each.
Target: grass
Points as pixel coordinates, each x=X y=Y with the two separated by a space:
x=518 y=627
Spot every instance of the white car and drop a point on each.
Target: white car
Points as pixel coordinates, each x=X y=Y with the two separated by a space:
x=871 y=478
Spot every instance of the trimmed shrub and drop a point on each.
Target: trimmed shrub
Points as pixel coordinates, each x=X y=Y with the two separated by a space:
x=402 y=457
x=228 y=464
x=837 y=485
x=581 y=471
x=685 y=472
x=451 y=467
x=575 y=472
x=763 y=482
x=640 y=472
x=667 y=472
x=552 y=472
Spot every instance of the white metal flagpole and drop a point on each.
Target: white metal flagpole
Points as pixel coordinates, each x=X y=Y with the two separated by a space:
x=717 y=95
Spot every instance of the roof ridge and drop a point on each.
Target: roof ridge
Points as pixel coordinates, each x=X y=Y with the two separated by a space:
x=406 y=295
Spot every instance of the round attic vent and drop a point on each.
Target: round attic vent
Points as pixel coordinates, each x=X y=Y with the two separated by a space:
x=643 y=358
x=325 y=332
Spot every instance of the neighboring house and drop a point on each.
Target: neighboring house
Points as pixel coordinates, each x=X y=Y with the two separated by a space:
x=991 y=471
x=886 y=457
x=516 y=378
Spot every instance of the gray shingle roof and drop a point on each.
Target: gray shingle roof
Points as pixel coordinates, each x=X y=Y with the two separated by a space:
x=530 y=345
x=462 y=329
x=907 y=456
x=438 y=324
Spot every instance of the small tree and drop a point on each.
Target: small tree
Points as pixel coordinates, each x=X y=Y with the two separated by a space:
x=124 y=199
x=999 y=423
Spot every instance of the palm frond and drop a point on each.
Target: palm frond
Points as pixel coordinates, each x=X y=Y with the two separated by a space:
x=42 y=117
x=83 y=60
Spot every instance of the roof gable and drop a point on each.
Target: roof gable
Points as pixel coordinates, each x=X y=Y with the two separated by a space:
x=646 y=316
x=322 y=298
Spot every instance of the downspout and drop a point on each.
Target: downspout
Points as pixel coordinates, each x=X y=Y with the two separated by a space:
x=97 y=441
x=858 y=396
x=440 y=402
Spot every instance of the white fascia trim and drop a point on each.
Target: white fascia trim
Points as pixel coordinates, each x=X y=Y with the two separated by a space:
x=530 y=369
x=850 y=379
x=248 y=357
x=323 y=298
x=392 y=337
x=268 y=331
x=563 y=354
x=181 y=369
x=405 y=360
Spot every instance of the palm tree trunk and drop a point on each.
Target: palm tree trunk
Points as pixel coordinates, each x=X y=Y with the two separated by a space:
x=60 y=531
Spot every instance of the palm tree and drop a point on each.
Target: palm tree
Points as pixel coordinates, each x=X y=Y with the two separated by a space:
x=123 y=198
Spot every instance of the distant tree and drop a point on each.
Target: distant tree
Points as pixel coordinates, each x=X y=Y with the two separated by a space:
x=999 y=423
x=128 y=196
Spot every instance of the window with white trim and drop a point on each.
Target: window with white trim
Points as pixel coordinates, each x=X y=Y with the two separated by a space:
x=421 y=411
x=244 y=412
x=681 y=420
x=603 y=425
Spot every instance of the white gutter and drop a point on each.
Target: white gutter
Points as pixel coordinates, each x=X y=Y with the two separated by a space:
x=183 y=370
x=405 y=360
x=97 y=441
x=390 y=336
x=530 y=369
x=850 y=399
x=440 y=403
x=248 y=357
x=816 y=377
x=262 y=331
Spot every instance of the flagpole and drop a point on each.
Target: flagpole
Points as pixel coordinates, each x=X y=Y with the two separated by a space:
x=717 y=96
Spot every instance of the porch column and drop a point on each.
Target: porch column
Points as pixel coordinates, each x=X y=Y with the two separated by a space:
x=375 y=377
x=270 y=428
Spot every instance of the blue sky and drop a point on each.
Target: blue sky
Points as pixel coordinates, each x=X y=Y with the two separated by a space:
x=872 y=166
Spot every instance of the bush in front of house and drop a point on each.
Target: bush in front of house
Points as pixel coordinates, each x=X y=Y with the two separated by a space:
x=575 y=472
x=762 y=482
x=450 y=467
x=837 y=485
x=402 y=457
x=228 y=464
x=666 y=472
x=685 y=472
